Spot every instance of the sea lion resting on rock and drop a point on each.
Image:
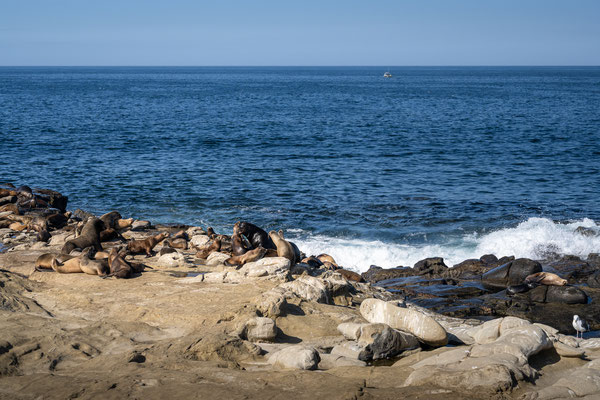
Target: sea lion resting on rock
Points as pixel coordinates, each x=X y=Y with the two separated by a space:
x=545 y=278
x=256 y=236
x=83 y=263
x=239 y=244
x=350 y=275
x=45 y=261
x=250 y=256
x=146 y=245
x=90 y=236
x=110 y=219
x=204 y=252
x=111 y=234
x=180 y=243
x=119 y=268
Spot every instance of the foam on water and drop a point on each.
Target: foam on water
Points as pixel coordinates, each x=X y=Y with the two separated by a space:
x=534 y=238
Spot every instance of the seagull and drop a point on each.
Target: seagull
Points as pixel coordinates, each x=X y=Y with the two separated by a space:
x=580 y=325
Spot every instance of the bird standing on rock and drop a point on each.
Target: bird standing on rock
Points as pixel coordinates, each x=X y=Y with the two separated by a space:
x=580 y=325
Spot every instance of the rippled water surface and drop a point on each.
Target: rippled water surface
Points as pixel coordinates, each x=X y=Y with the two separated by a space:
x=433 y=158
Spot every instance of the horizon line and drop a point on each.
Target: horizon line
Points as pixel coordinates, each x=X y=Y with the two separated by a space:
x=304 y=66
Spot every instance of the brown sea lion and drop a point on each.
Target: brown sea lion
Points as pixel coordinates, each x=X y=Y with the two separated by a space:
x=239 y=244
x=70 y=266
x=350 y=275
x=17 y=226
x=100 y=255
x=327 y=258
x=210 y=232
x=45 y=260
x=284 y=248
x=90 y=236
x=123 y=224
x=110 y=234
x=545 y=278
x=250 y=256
x=255 y=235
x=89 y=265
x=204 y=252
x=11 y=207
x=43 y=236
x=110 y=219
x=119 y=268
x=180 y=243
x=38 y=224
x=146 y=245
x=312 y=261
x=180 y=235
x=56 y=221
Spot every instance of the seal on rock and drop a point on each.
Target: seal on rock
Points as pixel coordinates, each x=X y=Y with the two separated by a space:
x=90 y=236
x=545 y=278
x=110 y=219
x=239 y=244
x=205 y=251
x=255 y=235
x=119 y=268
x=45 y=261
x=146 y=245
x=179 y=243
x=89 y=265
x=250 y=256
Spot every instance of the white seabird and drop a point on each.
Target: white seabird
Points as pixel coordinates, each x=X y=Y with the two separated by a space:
x=580 y=325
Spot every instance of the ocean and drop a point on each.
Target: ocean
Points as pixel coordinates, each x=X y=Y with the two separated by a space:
x=454 y=162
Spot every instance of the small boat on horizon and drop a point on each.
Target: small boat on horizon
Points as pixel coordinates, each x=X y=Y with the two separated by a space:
x=387 y=75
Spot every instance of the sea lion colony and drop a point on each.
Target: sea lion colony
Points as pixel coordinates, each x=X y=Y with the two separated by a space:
x=467 y=294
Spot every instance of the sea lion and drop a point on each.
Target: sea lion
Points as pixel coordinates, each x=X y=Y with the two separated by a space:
x=56 y=221
x=210 y=232
x=89 y=265
x=514 y=289
x=284 y=248
x=45 y=260
x=110 y=219
x=38 y=224
x=312 y=261
x=111 y=234
x=11 y=207
x=123 y=224
x=17 y=226
x=204 y=252
x=70 y=266
x=180 y=235
x=119 y=268
x=90 y=236
x=327 y=258
x=180 y=243
x=250 y=256
x=350 y=275
x=43 y=236
x=100 y=255
x=256 y=236
x=546 y=278
x=239 y=244
x=146 y=245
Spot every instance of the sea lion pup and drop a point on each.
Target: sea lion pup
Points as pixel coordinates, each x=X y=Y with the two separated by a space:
x=90 y=236
x=326 y=258
x=146 y=245
x=284 y=248
x=110 y=219
x=545 y=278
x=89 y=265
x=119 y=268
x=250 y=256
x=210 y=232
x=312 y=261
x=204 y=251
x=45 y=260
x=180 y=243
x=256 y=236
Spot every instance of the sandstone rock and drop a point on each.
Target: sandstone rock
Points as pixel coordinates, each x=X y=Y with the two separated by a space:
x=380 y=341
x=216 y=258
x=521 y=342
x=271 y=304
x=350 y=350
x=308 y=288
x=350 y=330
x=258 y=329
x=296 y=357
x=140 y=225
x=194 y=230
x=199 y=240
x=221 y=347
x=486 y=332
x=215 y=277
x=425 y=328
x=270 y=266
x=564 y=350
x=170 y=260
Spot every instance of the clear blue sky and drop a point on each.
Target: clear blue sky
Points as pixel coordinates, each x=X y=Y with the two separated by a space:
x=303 y=32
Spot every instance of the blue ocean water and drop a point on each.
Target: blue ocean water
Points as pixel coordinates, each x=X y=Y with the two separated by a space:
x=434 y=161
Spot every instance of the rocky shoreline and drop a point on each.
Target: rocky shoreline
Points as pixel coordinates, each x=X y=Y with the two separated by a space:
x=276 y=326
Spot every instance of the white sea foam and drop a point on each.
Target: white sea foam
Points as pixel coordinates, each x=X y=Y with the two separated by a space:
x=533 y=238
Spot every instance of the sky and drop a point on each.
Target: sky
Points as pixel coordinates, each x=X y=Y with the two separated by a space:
x=299 y=33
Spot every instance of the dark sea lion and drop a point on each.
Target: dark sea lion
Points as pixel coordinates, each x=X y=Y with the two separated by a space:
x=239 y=244
x=89 y=265
x=43 y=236
x=180 y=235
x=255 y=235
x=45 y=260
x=312 y=261
x=90 y=236
x=205 y=251
x=56 y=221
x=250 y=256
x=38 y=224
x=110 y=219
x=180 y=243
x=146 y=245
x=514 y=289
x=546 y=278
x=284 y=248
x=350 y=275
x=119 y=268
x=111 y=234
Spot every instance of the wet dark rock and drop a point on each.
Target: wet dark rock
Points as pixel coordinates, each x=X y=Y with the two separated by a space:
x=489 y=259
x=511 y=273
x=584 y=231
x=377 y=274
x=82 y=215
x=430 y=266
x=53 y=198
x=468 y=269
x=56 y=221
x=594 y=258
x=571 y=268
